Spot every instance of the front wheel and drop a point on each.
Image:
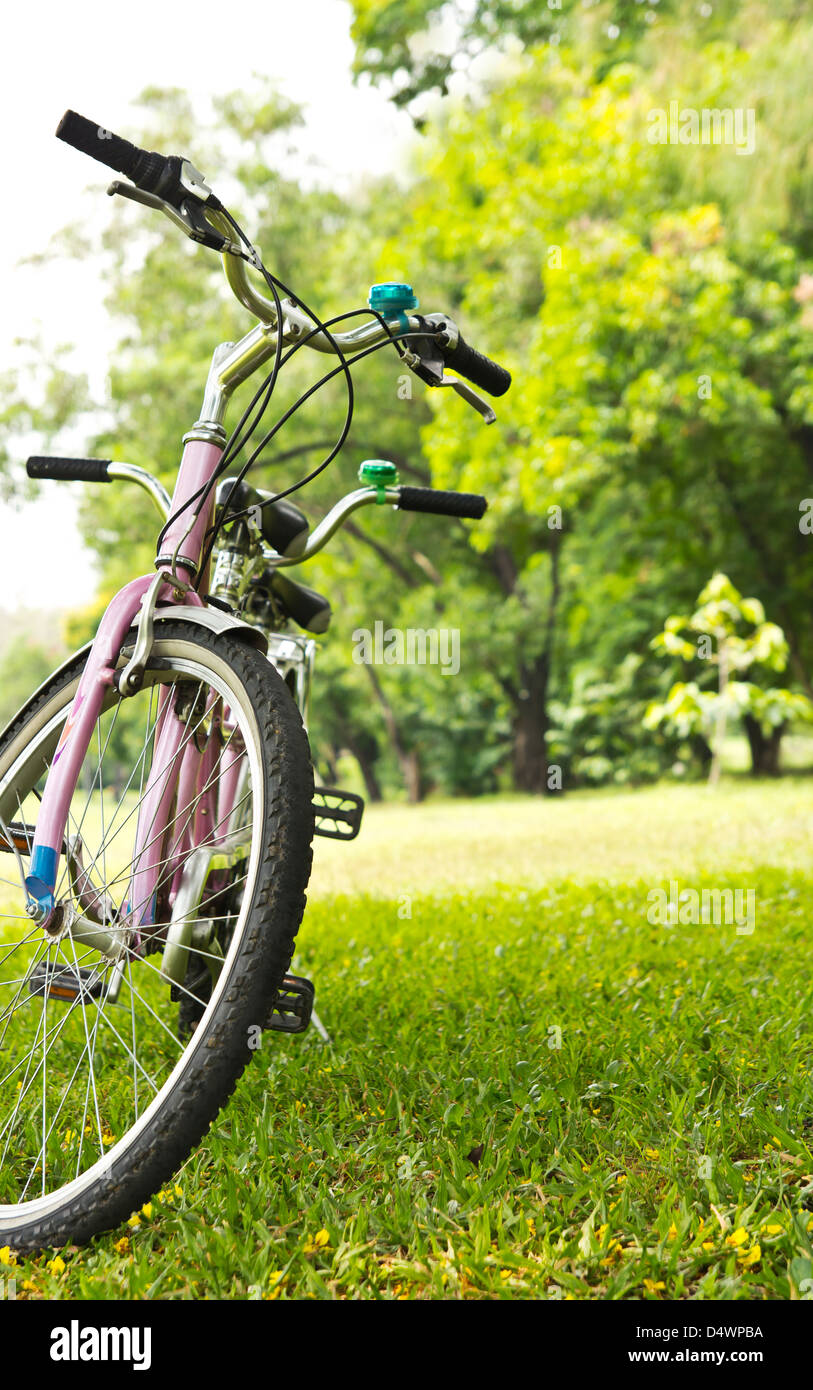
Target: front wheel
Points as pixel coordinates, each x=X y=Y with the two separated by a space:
x=117 y=1050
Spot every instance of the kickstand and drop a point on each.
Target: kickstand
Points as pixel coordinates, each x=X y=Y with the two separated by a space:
x=321 y=1029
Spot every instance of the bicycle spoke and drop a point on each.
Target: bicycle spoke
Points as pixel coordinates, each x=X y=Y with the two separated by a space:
x=91 y=1031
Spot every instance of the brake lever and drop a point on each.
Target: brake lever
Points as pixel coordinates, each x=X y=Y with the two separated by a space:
x=427 y=363
x=425 y=359
x=470 y=396
x=190 y=217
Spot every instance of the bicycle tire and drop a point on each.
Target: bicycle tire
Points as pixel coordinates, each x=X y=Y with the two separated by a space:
x=213 y=1056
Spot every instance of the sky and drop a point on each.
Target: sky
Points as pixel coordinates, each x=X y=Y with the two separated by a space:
x=96 y=58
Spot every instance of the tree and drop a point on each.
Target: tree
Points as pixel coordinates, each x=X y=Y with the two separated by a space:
x=661 y=367
x=718 y=622
x=417 y=47
x=23 y=667
x=652 y=302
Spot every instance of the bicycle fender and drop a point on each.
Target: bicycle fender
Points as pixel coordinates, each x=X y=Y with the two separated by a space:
x=211 y=618
x=215 y=620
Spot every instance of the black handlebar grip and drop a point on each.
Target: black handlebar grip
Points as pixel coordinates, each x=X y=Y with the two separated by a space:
x=426 y=499
x=69 y=470
x=480 y=370
x=143 y=167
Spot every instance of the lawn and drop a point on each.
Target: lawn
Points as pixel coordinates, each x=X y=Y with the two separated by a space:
x=530 y=1091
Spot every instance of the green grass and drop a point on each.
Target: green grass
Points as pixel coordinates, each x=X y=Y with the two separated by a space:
x=530 y=1090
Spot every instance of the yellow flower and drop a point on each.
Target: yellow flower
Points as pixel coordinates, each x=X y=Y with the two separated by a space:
x=531 y=1226
x=774 y=1229
x=316 y=1242
x=738 y=1237
x=505 y=1274
x=147 y=1210
x=29 y=1285
x=133 y=1222
x=122 y=1247
x=750 y=1257
x=178 y=1191
x=277 y=1282
x=652 y=1285
x=57 y=1265
x=652 y=1153
x=671 y=1234
x=6 y=1257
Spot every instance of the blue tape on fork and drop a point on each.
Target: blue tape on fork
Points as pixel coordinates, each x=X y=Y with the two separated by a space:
x=40 y=882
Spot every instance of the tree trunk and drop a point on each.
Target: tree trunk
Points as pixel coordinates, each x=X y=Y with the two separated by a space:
x=329 y=757
x=529 y=723
x=700 y=748
x=532 y=773
x=718 y=737
x=764 y=748
x=362 y=755
x=408 y=759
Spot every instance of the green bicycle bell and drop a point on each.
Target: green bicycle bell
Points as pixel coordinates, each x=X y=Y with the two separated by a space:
x=380 y=474
x=391 y=298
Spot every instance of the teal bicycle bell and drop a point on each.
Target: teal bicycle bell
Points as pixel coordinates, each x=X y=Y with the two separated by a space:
x=392 y=298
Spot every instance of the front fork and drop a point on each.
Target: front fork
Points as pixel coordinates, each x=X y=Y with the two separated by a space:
x=73 y=745
x=183 y=542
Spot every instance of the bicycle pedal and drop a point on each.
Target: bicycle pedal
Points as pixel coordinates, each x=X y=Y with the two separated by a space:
x=20 y=837
x=293 y=1006
x=65 y=982
x=338 y=814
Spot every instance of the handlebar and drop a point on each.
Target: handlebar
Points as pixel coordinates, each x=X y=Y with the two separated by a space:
x=170 y=177
x=99 y=471
x=476 y=367
x=282 y=527
x=69 y=470
x=428 y=499
x=173 y=185
x=150 y=171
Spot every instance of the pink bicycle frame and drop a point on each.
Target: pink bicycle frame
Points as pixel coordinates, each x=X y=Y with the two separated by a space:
x=168 y=770
x=232 y=364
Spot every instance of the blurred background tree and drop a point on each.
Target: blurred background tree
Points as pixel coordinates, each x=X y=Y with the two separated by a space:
x=652 y=302
x=730 y=634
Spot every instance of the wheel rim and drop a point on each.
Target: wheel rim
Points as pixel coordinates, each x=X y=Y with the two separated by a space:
x=80 y=1077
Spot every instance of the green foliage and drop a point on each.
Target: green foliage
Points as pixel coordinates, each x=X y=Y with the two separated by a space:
x=726 y=648
x=596 y=736
x=23 y=666
x=653 y=303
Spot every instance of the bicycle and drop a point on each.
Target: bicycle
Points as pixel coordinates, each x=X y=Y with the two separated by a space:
x=157 y=798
